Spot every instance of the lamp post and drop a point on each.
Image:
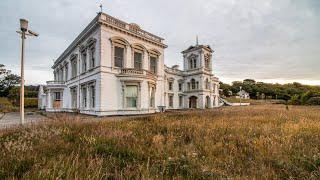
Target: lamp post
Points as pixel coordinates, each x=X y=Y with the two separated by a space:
x=24 y=32
x=240 y=94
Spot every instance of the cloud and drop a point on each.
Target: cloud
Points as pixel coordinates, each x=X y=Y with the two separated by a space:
x=267 y=40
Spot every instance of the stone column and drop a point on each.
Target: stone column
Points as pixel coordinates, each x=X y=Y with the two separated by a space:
x=145 y=60
x=49 y=105
x=128 y=57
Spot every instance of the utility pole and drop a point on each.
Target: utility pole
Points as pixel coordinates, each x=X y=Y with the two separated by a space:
x=240 y=94
x=24 y=32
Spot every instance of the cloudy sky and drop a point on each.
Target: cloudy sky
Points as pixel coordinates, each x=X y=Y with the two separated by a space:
x=267 y=40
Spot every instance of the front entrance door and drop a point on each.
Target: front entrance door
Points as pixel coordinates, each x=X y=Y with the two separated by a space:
x=193 y=102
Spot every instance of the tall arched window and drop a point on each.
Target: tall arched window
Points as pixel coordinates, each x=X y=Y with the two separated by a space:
x=153 y=57
x=190 y=64
x=92 y=55
x=119 y=46
x=138 y=53
x=192 y=59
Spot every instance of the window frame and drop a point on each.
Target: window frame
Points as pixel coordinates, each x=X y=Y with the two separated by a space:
x=118 y=46
x=170 y=85
x=193 y=84
x=180 y=101
x=73 y=96
x=84 y=97
x=170 y=100
x=180 y=86
x=153 y=69
x=126 y=97
x=57 y=96
x=152 y=96
x=83 y=61
x=66 y=72
x=92 y=95
x=92 y=54
x=74 y=68
x=135 y=60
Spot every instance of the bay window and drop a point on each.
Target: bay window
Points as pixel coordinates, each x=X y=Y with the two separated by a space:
x=131 y=96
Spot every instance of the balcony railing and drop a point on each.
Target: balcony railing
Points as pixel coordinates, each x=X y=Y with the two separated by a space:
x=135 y=72
x=131 y=71
x=55 y=82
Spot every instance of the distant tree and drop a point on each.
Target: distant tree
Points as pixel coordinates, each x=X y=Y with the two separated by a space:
x=3 y=71
x=249 y=81
x=226 y=88
x=296 y=92
x=7 y=80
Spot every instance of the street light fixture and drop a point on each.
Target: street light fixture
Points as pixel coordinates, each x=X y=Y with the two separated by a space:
x=24 y=32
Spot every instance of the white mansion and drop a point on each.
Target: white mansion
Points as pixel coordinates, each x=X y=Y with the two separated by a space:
x=116 y=68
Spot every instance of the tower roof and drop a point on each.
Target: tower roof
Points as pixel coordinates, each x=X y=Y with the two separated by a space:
x=196 y=47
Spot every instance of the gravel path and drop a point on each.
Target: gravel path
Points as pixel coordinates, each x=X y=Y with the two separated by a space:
x=13 y=119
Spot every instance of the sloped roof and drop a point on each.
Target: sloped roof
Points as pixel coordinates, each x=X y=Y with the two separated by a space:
x=192 y=48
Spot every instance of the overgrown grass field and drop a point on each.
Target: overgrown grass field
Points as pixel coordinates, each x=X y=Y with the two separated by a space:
x=261 y=142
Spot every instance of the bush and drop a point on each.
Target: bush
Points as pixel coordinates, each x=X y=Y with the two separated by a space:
x=313 y=101
x=5 y=105
x=31 y=102
x=295 y=100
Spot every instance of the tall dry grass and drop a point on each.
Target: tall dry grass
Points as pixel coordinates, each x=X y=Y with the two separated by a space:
x=254 y=142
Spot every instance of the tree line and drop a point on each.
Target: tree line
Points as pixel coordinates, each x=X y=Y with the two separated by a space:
x=294 y=93
x=9 y=87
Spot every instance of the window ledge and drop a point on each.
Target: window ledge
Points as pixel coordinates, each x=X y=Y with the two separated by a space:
x=91 y=69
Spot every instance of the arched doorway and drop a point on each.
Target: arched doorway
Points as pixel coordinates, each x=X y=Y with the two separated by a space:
x=193 y=102
x=207 y=102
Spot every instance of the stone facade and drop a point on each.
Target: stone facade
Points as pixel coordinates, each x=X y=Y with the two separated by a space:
x=116 y=68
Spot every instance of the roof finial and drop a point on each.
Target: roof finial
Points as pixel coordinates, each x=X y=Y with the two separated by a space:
x=100 y=8
x=197 y=41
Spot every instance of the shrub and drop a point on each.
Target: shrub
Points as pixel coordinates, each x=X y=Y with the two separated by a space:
x=313 y=101
x=295 y=100
x=5 y=105
x=31 y=102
